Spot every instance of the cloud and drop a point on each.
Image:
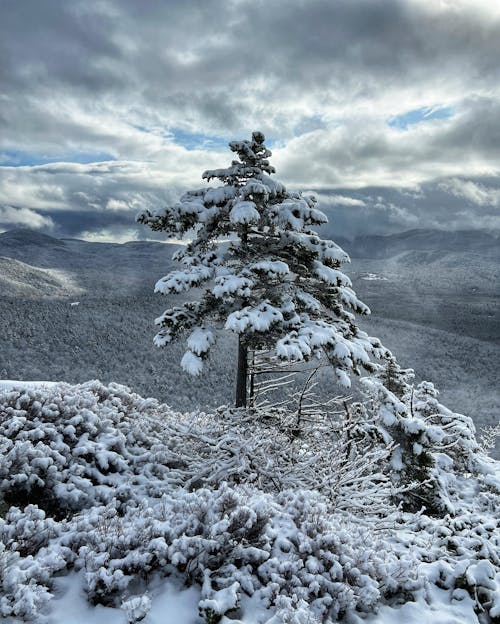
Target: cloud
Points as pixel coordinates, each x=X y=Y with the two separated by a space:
x=97 y=69
x=473 y=192
x=24 y=217
x=338 y=200
x=390 y=210
x=111 y=235
x=153 y=89
x=359 y=154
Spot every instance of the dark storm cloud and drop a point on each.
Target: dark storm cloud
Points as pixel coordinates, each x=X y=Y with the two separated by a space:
x=322 y=79
x=72 y=223
x=211 y=64
x=454 y=204
x=46 y=42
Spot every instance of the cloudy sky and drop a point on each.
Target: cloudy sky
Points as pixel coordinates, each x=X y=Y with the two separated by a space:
x=388 y=109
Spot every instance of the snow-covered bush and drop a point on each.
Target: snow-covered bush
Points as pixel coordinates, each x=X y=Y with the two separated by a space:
x=233 y=540
x=72 y=447
x=136 y=608
x=489 y=437
x=432 y=444
x=25 y=580
x=67 y=448
x=460 y=554
x=235 y=503
x=266 y=449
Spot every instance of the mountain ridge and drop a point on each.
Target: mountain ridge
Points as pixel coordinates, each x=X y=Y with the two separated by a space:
x=366 y=246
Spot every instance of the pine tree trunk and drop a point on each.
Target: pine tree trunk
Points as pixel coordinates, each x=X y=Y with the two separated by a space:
x=241 y=375
x=251 y=379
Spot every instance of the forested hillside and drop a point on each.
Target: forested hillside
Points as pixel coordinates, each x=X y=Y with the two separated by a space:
x=438 y=311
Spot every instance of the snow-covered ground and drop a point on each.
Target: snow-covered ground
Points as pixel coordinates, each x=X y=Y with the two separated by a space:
x=116 y=507
x=10 y=384
x=171 y=602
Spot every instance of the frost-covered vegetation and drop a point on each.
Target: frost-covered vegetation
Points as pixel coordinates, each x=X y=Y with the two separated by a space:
x=257 y=514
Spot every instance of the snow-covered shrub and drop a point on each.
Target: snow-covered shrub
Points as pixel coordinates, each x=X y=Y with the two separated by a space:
x=69 y=447
x=235 y=503
x=432 y=444
x=28 y=561
x=266 y=449
x=136 y=608
x=291 y=610
x=231 y=540
x=216 y=603
x=333 y=563
x=489 y=437
x=188 y=532
x=25 y=581
x=460 y=554
x=458 y=440
x=28 y=530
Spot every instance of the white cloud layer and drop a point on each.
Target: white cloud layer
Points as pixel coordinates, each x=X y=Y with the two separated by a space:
x=149 y=90
x=476 y=193
x=24 y=217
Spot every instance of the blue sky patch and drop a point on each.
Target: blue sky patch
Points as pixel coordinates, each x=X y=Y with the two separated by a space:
x=420 y=115
x=194 y=140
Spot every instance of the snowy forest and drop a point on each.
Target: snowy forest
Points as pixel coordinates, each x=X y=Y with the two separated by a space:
x=293 y=472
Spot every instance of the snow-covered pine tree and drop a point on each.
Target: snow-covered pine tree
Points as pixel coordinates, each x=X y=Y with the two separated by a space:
x=432 y=445
x=396 y=379
x=274 y=282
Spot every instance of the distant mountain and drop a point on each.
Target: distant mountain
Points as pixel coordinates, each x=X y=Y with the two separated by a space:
x=101 y=269
x=434 y=297
x=18 y=279
x=29 y=245
x=21 y=237
x=412 y=265
x=436 y=241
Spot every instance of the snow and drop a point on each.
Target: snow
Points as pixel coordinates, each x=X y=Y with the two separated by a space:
x=278 y=529
x=257 y=319
x=169 y=603
x=227 y=286
x=244 y=212
x=200 y=340
x=179 y=281
x=255 y=188
x=272 y=268
x=431 y=607
x=9 y=384
x=218 y=602
x=373 y=277
x=192 y=363
x=219 y=195
x=482 y=573
x=331 y=276
x=136 y=608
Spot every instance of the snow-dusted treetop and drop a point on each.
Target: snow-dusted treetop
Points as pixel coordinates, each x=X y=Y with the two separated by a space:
x=275 y=282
